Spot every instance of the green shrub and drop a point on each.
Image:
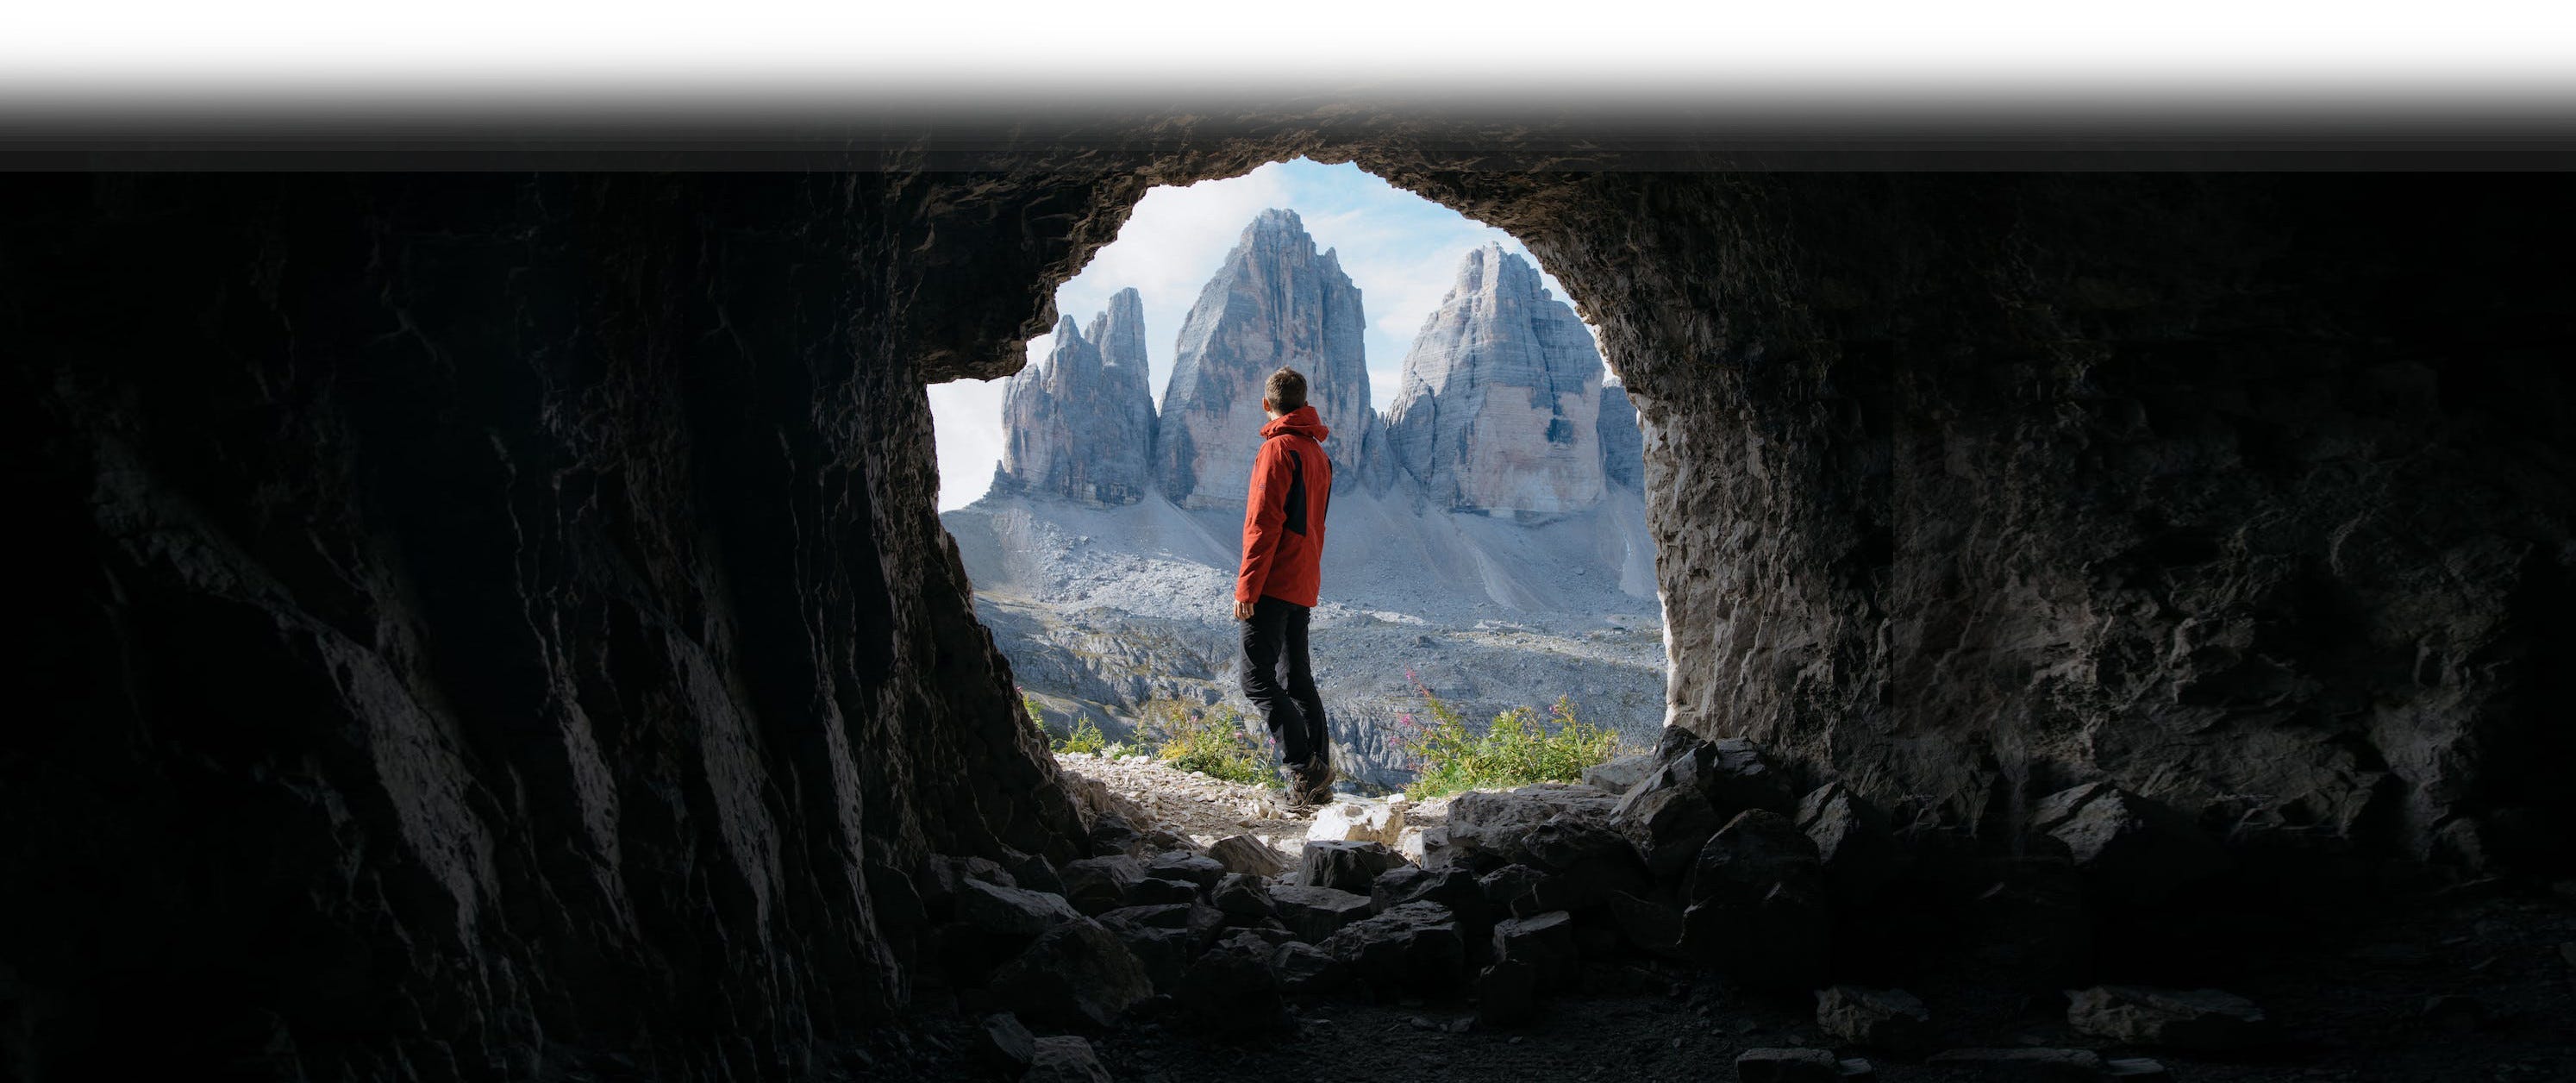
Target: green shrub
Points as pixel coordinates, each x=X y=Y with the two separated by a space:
x=1086 y=737
x=1037 y=714
x=1209 y=740
x=1516 y=750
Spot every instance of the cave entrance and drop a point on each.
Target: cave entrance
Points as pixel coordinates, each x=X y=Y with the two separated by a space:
x=1489 y=543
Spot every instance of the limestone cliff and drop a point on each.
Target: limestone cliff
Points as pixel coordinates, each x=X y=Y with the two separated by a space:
x=1623 y=445
x=1501 y=406
x=1080 y=423
x=1276 y=301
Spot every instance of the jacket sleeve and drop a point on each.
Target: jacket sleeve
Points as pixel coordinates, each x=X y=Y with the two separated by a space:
x=1265 y=517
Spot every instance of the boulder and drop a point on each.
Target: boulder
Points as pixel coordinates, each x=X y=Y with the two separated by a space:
x=1890 y=1019
x=1074 y=974
x=1099 y=884
x=1852 y=841
x=1788 y=1066
x=1186 y=867
x=1666 y=819
x=1413 y=946
x=2136 y=1070
x=1344 y=866
x=1352 y=819
x=1164 y=953
x=1005 y=1044
x=1755 y=852
x=1244 y=899
x=2198 y=1020
x=1508 y=887
x=1491 y=829
x=1232 y=990
x=1649 y=925
x=1009 y=912
x=1316 y=913
x=2022 y=1065
x=1507 y=994
x=1155 y=891
x=1246 y=854
x=941 y=874
x=1452 y=888
x=1112 y=835
x=1064 y=1059
x=1739 y=775
x=1544 y=941
x=2132 y=849
x=1780 y=941
x=1619 y=775
x=1032 y=871
x=1305 y=968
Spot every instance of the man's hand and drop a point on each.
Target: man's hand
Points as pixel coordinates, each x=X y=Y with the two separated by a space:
x=1243 y=611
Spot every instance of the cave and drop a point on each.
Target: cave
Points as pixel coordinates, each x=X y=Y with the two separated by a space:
x=494 y=623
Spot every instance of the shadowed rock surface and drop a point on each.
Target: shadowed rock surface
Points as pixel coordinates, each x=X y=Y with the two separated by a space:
x=496 y=626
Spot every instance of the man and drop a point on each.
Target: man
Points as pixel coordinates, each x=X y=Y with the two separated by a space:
x=1283 y=547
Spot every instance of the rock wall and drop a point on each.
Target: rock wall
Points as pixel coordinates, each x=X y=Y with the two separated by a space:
x=1080 y=426
x=1275 y=301
x=1623 y=445
x=2249 y=493
x=484 y=623
x=1501 y=404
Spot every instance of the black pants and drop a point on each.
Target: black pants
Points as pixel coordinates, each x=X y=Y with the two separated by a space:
x=1279 y=678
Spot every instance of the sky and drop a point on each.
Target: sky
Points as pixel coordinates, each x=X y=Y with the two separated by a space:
x=1400 y=249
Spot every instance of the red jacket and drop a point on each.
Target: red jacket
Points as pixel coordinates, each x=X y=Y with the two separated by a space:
x=1283 y=515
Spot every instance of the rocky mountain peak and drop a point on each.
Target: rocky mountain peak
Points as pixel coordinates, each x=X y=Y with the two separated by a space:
x=1275 y=301
x=1080 y=421
x=1501 y=405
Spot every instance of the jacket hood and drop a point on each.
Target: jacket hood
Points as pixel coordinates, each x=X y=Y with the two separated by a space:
x=1301 y=421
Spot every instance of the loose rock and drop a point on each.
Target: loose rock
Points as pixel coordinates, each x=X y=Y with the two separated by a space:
x=1100 y=884
x=2023 y=1065
x=1787 y=1066
x=1074 y=974
x=1545 y=942
x=1617 y=776
x=1246 y=854
x=1890 y=1019
x=1344 y=866
x=1305 y=968
x=1065 y=1059
x=2201 y=1020
x=1007 y=1045
x=1359 y=820
x=1414 y=946
x=1314 y=914
x=2132 y=848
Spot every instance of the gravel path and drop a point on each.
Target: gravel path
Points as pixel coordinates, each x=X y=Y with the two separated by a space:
x=1205 y=809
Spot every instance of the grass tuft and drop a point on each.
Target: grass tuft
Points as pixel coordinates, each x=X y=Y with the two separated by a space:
x=1517 y=749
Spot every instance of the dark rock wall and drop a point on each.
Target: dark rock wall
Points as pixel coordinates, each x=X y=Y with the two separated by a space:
x=479 y=621
x=2248 y=492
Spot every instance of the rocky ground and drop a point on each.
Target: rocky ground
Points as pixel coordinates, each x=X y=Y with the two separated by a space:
x=2435 y=979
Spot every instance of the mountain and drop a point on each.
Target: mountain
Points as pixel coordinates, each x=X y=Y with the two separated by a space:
x=1276 y=301
x=1500 y=409
x=1081 y=422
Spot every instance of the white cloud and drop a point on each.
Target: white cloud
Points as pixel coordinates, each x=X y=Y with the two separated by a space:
x=1400 y=249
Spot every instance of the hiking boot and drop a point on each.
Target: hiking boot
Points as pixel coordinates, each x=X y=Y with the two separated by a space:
x=1298 y=795
x=1319 y=780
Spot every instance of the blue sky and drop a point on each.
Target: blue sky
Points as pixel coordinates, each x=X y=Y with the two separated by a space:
x=1400 y=249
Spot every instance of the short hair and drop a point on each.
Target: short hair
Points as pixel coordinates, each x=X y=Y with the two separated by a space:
x=1286 y=390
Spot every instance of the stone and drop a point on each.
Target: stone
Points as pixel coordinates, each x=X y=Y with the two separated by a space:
x=1852 y=841
x=1316 y=913
x=1154 y=890
x=1619 y=774
x=1507 y=994
x=1244 y=899
x=1005 y=1043
x=2133 y=849
x=1065 y=1059
x=1623 y=446
x=1667 y=819
x=1305 y=968
x=1414 y=946
x=1544 y=941
x=1113 y=835
x=1858 y=1070
x=1753 y=853
x=2196 y=1020
x=1232 y=989
x=1080 y=423
x=1647 y=924
x=2137 y=1069
x=1164 y=952
x=1100 y=884
x=1074 y=974
x=1777 y=1065
x=1344 y=866
x=1247 y=854
x=1490 y=829
x=1010 y=912
x=1499 y=409
x=2026 y=1065
x=1889 y=1019
x=1185 y=867
x=1032 y=871
x=1274 y=301
x=1358 y=820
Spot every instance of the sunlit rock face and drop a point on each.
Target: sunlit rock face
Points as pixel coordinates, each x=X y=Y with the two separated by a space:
x=1275 y=302
x=1081 y=423
x=1501 y=407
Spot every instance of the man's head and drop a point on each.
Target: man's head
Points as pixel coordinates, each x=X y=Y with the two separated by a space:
x=1284 y=392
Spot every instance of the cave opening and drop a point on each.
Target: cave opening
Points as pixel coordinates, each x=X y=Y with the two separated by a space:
x=1489 y=551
